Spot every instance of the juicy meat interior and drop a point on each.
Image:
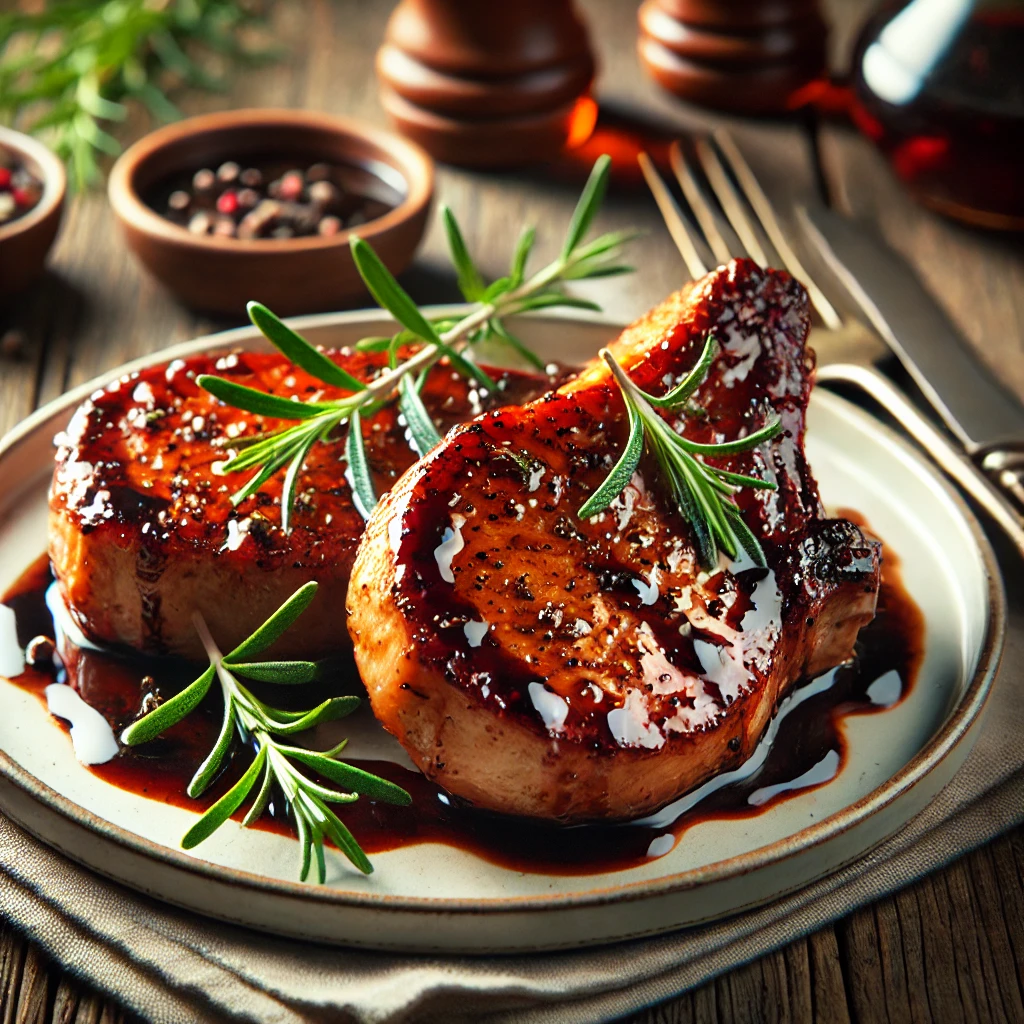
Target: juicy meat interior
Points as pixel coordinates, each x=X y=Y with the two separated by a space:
x=143 y=532
x=539 y=664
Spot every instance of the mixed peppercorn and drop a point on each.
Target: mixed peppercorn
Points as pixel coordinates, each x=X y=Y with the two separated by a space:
x=20 y=189
x=250 y=203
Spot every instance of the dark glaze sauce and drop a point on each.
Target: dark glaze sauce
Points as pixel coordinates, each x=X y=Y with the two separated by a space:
x=808 y=750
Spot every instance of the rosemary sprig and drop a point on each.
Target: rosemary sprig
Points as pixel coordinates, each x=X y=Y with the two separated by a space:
x=246 y=716
x=68 y=68
x=451 y=338
x=702 y=493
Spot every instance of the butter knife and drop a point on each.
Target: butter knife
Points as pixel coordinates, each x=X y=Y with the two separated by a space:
x=987 y=421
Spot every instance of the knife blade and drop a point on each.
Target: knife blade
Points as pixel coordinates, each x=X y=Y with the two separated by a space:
x=970 y=401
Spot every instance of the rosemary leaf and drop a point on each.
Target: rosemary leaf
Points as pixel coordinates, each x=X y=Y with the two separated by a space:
x=208 y=770
x=170 y=712
x=521 y=255
x=606 y=243
x=342 y=838
x=256 y=481
x=589 y=269
x=589 y=201
x=284 y=673
x=681 y=393
x=306 y=842
x=547 y=300
x=329 y=711
x=291 y=480
x=422 y=432
x=496 y=289
x=266 y=634
x=742 y=480
x=471 y=284
x=364 y=496
x=260 y=402
x=747 y=540
x=390 y=295
x=744 y=444
x=621 y=473
x=333 y=796
x=499 y=330
x=318 y=846
x=373 y=344
x=352 y=778
x=299 y=351
x=226 y=805
x=259 y=805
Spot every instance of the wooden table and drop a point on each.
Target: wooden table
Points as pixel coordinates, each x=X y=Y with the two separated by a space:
x=950 y=947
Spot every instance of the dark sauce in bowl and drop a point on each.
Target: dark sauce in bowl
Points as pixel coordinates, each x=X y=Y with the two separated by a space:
x=808 y=749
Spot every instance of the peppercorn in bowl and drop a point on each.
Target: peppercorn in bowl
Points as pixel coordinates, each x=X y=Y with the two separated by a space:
x=32 y=188
x=229 y=206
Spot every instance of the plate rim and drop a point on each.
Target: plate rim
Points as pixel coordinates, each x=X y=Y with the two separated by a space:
x=955 y=727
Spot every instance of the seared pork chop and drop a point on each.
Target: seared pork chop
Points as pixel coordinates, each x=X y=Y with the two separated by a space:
x=143 y=533
x=538 y=664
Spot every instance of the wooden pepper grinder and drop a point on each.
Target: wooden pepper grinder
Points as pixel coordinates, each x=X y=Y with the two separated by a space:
x=488 y=84
x=744 y=56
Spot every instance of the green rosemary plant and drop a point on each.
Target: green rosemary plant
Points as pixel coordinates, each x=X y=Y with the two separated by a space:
x=452 y=338
x=249 y=718
x=702 y=493
x=68 y=68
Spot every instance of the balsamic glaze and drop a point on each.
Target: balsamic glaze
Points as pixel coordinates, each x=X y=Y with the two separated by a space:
x=808 y=749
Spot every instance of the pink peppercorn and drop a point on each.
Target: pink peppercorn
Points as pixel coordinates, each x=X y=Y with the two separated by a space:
x=227 y=203
x=25 y=196
x=292 y=184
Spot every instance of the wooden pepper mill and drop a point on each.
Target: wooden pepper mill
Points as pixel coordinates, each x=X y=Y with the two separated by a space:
x=488 y=84
x=744 y=56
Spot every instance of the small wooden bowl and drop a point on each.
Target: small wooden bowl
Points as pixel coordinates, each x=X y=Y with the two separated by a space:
x=25 y=242
x=292 y=275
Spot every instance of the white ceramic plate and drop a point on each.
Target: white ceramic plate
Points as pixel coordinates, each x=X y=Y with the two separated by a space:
x=435 y=897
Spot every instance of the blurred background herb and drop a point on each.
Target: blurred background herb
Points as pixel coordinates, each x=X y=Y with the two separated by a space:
x=70 y=69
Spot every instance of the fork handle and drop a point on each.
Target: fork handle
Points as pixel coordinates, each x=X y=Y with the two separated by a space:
x=1005 y=466
x=1003 y=503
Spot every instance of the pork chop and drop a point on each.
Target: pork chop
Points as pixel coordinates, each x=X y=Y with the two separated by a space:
x=538 y=664
x=143 y=533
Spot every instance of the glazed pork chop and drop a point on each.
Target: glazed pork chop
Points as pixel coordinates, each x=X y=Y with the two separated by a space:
x=538 y=664
x=143 y=533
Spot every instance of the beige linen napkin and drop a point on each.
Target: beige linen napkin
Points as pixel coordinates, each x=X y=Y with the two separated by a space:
x=169 y=966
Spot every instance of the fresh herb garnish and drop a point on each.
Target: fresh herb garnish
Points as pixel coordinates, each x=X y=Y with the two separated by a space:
x=449 y=338
x=254 y=721
x=702 y=493
x=68 y=67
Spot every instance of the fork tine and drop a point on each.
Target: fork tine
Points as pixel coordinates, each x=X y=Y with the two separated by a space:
x=698 y=204
x=730 y=201
x=673 y=218
x=766 y=214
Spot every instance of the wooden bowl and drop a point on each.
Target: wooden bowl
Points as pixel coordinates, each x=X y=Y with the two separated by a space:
x=25 y=242
x=293 y=275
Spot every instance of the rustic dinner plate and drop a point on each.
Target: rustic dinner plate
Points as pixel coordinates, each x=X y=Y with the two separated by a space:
x=436 y=897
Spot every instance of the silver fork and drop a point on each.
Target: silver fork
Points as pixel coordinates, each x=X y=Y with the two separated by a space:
x=848 y=351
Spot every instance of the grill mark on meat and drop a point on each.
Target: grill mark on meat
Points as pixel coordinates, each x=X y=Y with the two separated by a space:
x=149 y=568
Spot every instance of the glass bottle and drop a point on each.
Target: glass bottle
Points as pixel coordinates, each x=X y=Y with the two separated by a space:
x=939 y=86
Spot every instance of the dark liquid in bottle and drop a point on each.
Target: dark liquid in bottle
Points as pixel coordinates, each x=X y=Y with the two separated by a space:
x=939 y=86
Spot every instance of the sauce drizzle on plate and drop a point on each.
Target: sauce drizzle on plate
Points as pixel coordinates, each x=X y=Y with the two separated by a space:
x=807 y=748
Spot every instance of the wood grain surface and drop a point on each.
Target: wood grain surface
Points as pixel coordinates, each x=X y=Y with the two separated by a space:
x=950 y=947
